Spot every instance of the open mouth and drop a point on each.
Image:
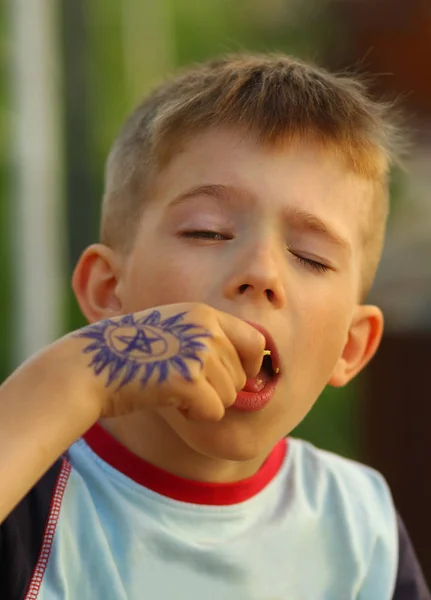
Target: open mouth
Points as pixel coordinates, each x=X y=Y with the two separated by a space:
x=265 y=382
x=269 y=370
x=259 y=390
x=268 y=366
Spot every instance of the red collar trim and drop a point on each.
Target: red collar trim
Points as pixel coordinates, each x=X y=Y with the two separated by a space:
x=177 y=488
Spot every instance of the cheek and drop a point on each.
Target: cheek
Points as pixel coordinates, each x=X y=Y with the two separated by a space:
x=326 y=325
x=162 y=280
x=317 y=345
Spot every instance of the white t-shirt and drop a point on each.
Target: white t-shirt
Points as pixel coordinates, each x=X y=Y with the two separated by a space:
x=309 y=525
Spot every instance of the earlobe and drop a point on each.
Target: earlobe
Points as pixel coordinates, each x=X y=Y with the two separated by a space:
x=363 y=340
x=95 y=281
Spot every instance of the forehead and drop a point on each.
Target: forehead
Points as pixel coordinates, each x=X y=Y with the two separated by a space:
x=300 y=176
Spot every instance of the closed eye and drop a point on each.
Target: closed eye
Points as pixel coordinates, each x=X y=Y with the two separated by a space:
x=205 y=235
x=312 y=264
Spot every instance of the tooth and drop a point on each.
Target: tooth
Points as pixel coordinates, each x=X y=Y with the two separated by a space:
x=267 y=352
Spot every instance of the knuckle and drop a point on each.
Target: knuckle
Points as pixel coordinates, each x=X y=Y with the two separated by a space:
x=202 y=309
x=218 y=339
x=180 y=381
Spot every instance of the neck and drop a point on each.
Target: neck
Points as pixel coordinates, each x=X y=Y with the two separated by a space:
x=147 y=435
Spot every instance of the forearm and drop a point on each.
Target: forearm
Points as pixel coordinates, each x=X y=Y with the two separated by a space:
x=43 y=410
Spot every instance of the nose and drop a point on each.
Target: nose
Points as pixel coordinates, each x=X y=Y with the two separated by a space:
x=258 y=276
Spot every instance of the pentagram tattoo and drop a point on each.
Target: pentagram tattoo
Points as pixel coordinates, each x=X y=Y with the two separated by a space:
x=131 y=348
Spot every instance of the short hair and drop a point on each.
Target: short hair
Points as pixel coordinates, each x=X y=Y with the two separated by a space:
x=276 y=97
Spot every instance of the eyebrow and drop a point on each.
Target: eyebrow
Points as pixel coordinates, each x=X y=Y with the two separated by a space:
x=216 y=190
x=299 y=218
x=302 y=219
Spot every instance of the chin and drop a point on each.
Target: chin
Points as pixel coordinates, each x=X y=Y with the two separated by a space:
x=230 y=440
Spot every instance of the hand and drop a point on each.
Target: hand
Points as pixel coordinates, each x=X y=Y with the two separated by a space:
x=189 y=356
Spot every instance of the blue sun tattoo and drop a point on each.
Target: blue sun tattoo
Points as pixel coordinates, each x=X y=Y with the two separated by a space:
x=133 y=348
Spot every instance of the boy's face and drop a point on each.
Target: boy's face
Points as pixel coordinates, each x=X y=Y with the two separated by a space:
x=270 y=212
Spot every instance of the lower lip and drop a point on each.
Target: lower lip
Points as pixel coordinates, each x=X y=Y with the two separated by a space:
x=254 y=401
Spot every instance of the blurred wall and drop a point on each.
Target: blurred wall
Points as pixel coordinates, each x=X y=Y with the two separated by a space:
x=392 y=41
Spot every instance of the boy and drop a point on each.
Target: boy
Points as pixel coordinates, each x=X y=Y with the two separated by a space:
x=242 y=225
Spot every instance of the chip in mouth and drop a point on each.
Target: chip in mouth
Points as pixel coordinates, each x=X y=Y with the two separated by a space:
x=267 y=365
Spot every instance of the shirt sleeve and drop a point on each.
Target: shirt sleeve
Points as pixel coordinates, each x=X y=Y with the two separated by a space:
x=410 y=582
x=21 y=536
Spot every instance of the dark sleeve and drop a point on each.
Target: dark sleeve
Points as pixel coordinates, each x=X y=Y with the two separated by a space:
x=21 y=536
x=410 y=584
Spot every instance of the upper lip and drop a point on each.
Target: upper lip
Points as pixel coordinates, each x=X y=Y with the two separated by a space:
x=269 y=345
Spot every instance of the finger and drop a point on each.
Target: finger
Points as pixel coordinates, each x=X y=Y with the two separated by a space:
x=230 y=359
x=219 y=378
x=248 y=342
x=200 y=402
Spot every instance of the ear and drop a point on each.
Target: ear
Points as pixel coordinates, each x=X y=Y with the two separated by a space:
x=95 y=281
x=365 y=334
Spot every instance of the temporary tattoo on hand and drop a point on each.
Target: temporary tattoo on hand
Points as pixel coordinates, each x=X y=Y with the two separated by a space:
x=135 y=349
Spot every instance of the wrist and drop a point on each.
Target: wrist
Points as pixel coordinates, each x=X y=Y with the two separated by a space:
x=63 y=368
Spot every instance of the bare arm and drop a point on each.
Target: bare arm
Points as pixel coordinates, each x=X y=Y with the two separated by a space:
x=44 y=407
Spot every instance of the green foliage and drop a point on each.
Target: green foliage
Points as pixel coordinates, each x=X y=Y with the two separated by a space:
x=5 y=266
x=333 y=422
x=5 y=287
x=214 y=27
x=106 y=74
